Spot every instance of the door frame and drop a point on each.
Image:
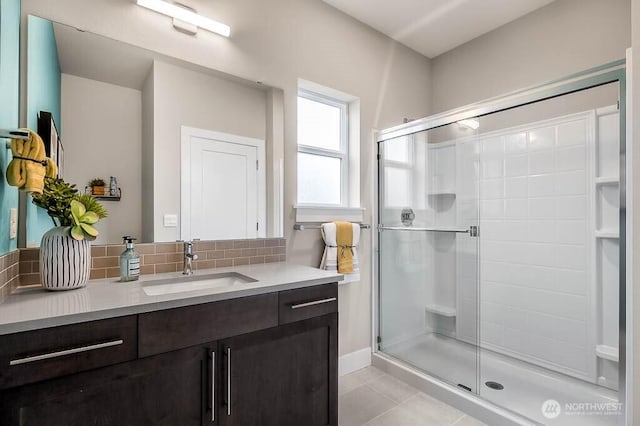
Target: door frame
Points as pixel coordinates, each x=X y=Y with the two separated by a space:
x=186 y=133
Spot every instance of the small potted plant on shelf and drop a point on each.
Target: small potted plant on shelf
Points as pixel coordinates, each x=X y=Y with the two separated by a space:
x=65 y=250
x=97 y=186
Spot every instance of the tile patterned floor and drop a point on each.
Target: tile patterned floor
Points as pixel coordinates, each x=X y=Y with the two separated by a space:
x=369 y=397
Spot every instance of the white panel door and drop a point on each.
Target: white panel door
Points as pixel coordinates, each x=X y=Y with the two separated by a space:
x=221 y=184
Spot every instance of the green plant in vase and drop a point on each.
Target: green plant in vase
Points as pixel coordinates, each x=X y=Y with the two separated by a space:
x=68 y=208
x=65 y=250
x=85 y=212
x=97 y=186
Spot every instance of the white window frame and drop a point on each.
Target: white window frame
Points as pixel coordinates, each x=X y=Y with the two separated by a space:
x=342 y=153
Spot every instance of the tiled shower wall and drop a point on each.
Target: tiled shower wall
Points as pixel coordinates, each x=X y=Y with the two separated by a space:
x=535 y=221
x=9 y=275
x=157 y=258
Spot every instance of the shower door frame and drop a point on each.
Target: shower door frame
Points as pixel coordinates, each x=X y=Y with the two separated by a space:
x=614 y=72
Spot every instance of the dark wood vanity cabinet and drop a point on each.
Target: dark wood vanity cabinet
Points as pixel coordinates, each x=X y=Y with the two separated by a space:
x=260 y=360
x=281 y=376
x=164 y=389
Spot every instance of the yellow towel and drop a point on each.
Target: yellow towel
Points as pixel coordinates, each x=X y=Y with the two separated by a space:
x=27 y=170
x=52 y=169
x=344 y=238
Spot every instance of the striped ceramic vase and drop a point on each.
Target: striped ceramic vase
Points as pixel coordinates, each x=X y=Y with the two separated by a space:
x=65 y=263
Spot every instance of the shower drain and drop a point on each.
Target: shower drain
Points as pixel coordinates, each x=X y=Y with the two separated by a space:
x=494 y=385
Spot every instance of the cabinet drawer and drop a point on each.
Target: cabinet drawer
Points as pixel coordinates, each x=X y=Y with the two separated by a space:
x=178 y=328
x=52 y=352
x=309 y=302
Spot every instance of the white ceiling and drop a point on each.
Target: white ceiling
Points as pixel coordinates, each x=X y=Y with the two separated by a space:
x=432 y=27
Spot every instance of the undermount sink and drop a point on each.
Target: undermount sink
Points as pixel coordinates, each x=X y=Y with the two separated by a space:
x=194 y=282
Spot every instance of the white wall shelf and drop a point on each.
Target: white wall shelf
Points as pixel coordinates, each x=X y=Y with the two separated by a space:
x=608 y=180
x=607 y=352
x=607 y=234
x=448 y=191
x=445 y=311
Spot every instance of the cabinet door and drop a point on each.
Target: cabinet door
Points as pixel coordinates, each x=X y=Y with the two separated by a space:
x=282 y=376
x=166 y=389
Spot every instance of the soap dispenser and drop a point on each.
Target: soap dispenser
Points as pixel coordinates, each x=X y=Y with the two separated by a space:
x=129 y=261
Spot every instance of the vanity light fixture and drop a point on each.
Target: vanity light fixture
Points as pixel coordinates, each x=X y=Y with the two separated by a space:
x=185 y=15
x=471 y=123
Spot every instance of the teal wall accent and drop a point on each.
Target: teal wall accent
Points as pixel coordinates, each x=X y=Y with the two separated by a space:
x=43 y=94
x=9 y=109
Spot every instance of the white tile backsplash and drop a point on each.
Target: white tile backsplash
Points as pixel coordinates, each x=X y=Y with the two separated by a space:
x=571 y=207
x=493 y=168
x=534 y=276
x=516 y=165
x=573 y=133
x=571 y=257
x=572 y=158
x=541 y=162
x=493 y=145
x=491 y=189
x=571 y=183
x=492 y=209
x=516 y=143
x=515 y=187
x=571 y=281
x=542 y=208
x=542 y=138
x=516 y=208
x=539 y=254
x=571 y=231
x=541 y=231
x=541 y=185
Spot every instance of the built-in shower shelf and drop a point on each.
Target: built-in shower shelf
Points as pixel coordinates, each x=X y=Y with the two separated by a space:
x=607 y=352
x=446 y=191
x=445 y=311
x=608 y=180
x=607 y=234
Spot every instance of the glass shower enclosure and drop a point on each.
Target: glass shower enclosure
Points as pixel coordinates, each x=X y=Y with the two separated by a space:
x=501 y=238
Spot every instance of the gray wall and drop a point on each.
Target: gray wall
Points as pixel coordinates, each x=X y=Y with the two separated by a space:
x=188 y=98
x=114 y=150
x=146 y=154
x=564 y=37
x=277 y=42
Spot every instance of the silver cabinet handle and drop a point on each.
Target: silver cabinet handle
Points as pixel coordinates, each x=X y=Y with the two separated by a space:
x=65 y=352
x=315 y=302
x=228 y=381
x=213 y=386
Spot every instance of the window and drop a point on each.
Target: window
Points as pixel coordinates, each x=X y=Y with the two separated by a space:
x=323 y=151
x=398 y=172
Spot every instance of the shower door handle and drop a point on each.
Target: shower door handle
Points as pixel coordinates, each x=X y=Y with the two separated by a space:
x=407 y=228
x=473 y=231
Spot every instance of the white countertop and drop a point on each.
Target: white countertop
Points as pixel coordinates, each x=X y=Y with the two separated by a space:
x=35 y=308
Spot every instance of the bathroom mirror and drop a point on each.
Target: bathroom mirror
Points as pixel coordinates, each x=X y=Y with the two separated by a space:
x=196 y=153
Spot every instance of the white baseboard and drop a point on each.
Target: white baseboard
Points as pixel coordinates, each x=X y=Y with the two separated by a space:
x=353 y=361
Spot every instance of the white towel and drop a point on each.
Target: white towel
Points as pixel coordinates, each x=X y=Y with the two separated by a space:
x=330 y=256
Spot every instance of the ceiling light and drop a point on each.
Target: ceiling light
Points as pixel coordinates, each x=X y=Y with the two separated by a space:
x=471 y=123
x=186 y=15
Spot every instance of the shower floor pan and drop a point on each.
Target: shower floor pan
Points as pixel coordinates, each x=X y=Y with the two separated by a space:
x=526 y=386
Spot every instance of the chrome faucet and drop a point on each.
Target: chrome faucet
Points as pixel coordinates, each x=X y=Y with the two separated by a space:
x=187 y=267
